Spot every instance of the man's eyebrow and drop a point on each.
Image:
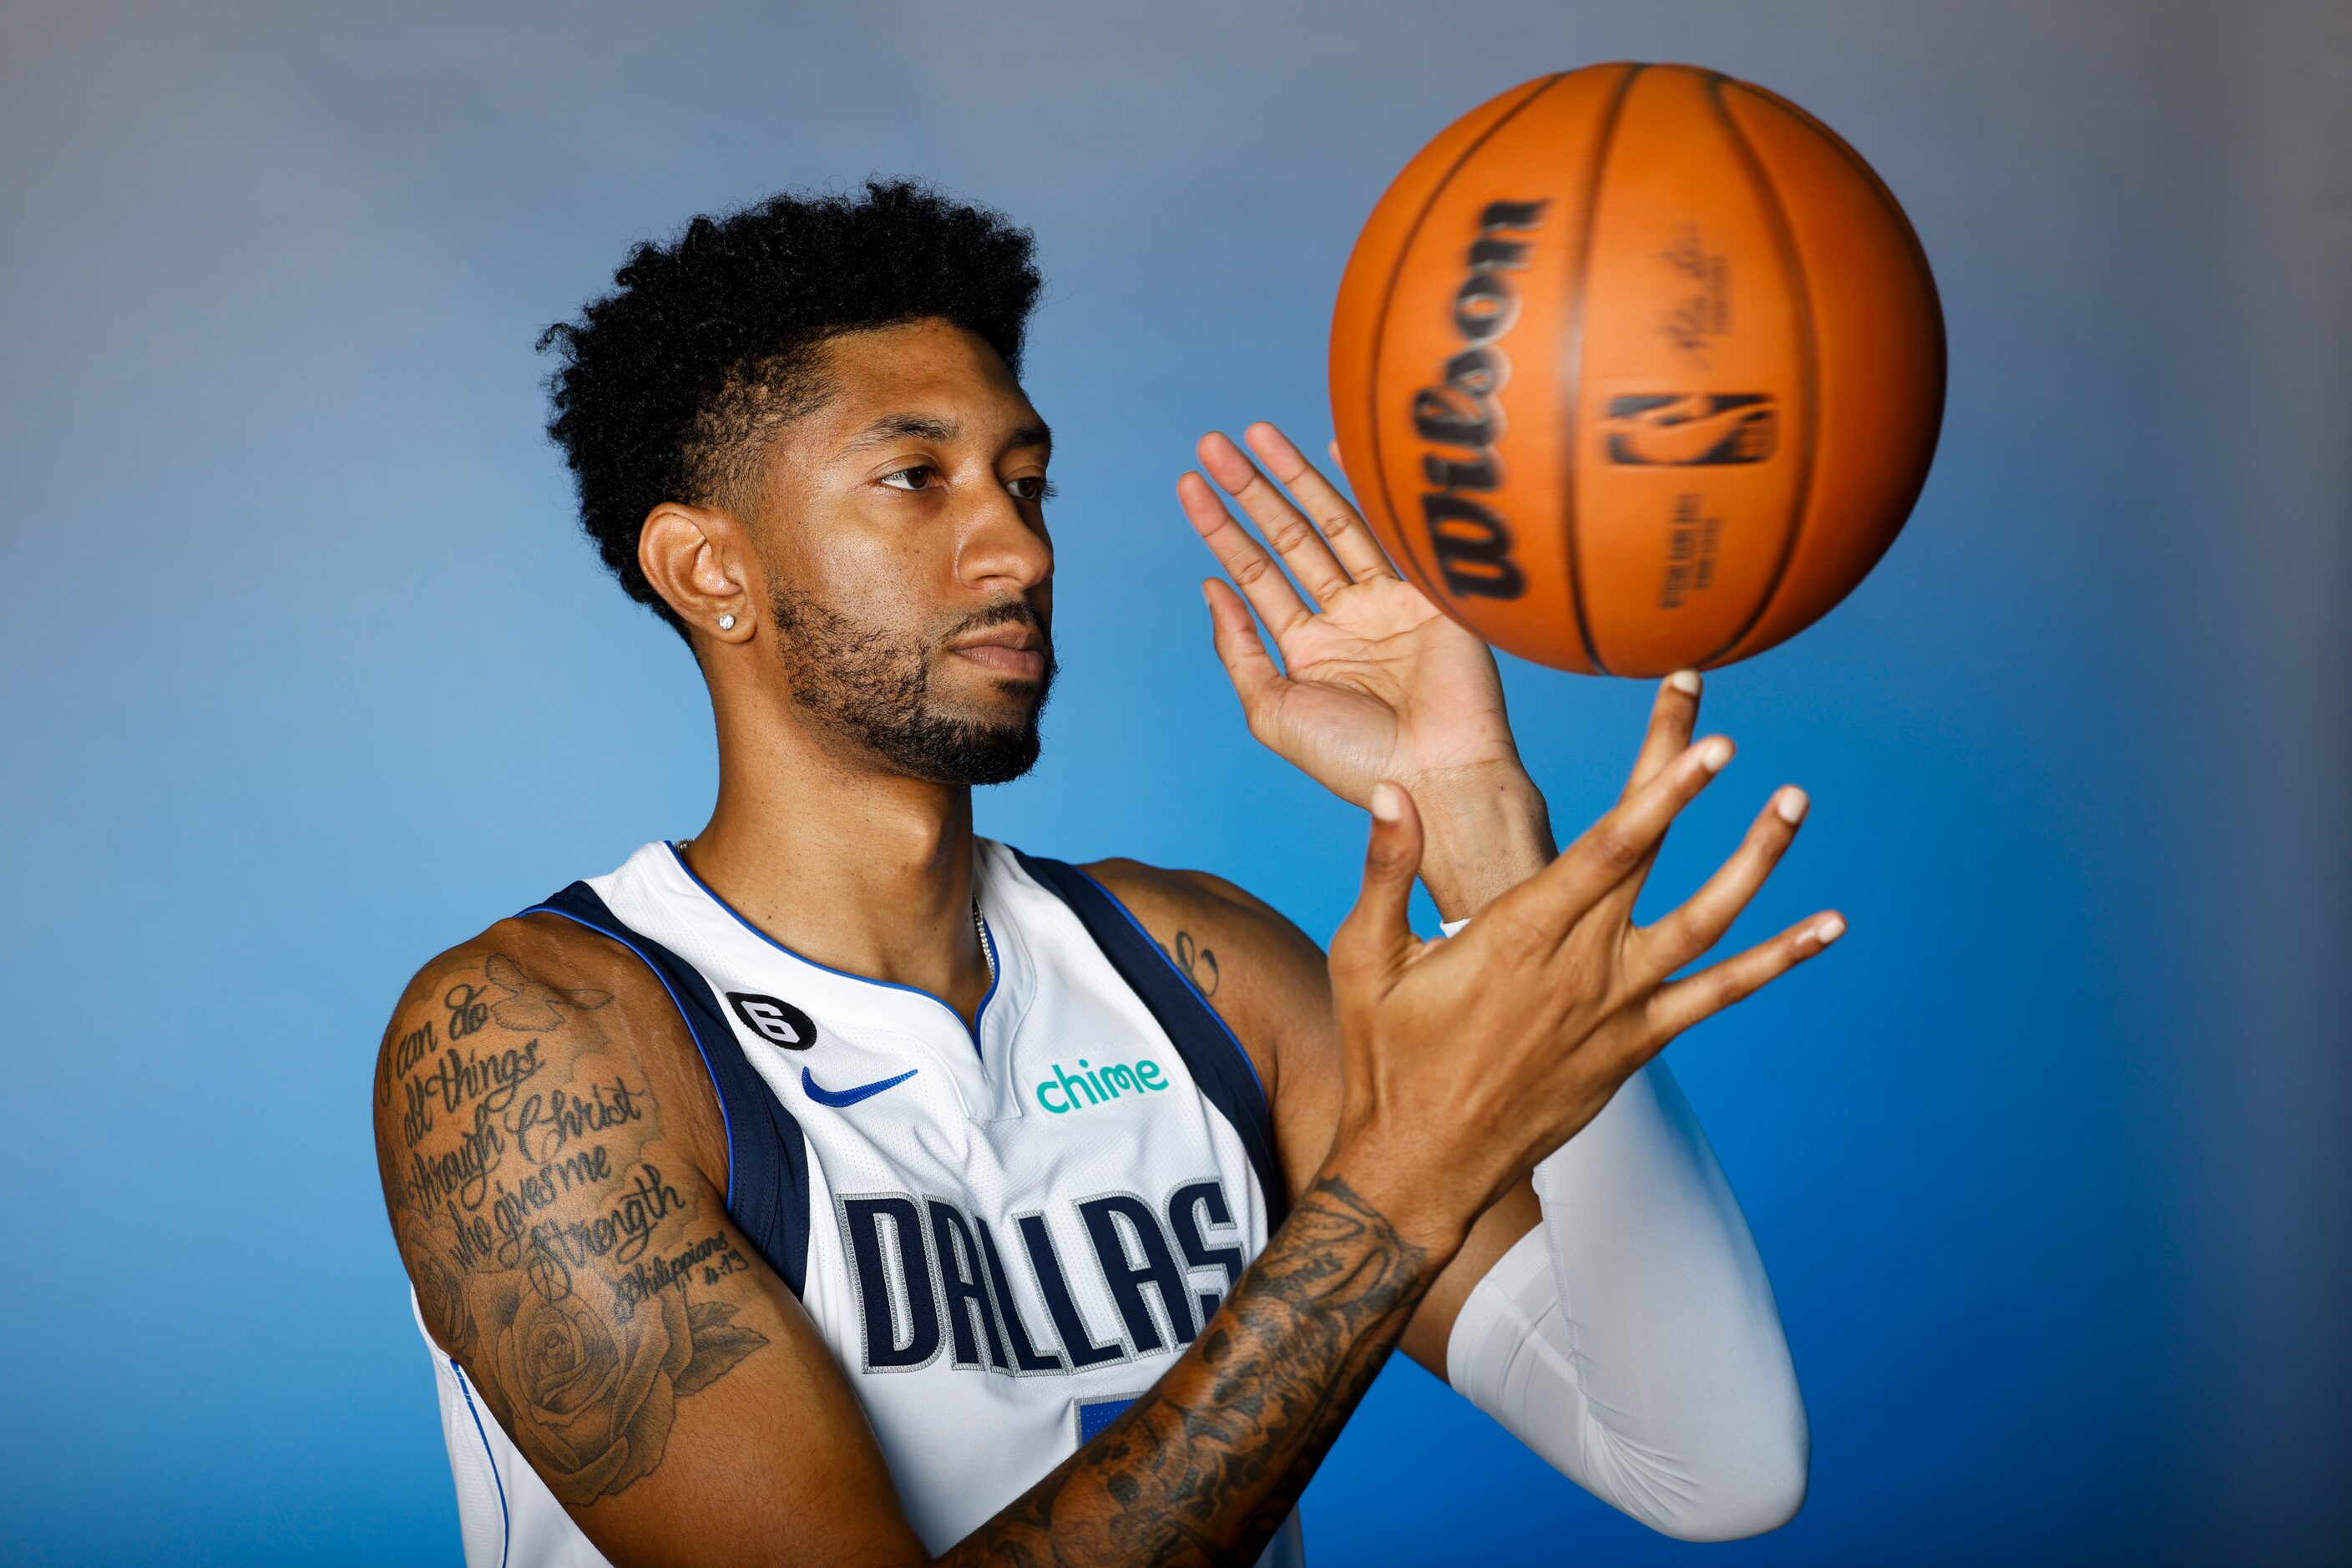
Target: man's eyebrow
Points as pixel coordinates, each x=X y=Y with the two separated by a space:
x=930 y=428
x=902 y=427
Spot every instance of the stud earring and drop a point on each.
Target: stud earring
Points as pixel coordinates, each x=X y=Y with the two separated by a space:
x=726 y=622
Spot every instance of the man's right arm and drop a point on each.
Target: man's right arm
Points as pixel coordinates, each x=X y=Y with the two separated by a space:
x=556 y=1187
x=555 y=1172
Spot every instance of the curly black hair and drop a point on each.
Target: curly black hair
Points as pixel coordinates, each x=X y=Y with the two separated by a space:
x=671 y=386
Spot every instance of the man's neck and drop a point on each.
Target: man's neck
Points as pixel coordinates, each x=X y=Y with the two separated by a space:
x=857 y=869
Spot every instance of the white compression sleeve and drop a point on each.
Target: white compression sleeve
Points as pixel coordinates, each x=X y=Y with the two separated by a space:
x=1632 y=1338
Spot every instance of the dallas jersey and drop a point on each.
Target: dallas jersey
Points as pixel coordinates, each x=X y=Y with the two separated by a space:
x=1005 y=1234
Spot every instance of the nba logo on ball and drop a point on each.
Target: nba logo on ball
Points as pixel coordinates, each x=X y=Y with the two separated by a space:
x=1695 y=429
x=1637 y=368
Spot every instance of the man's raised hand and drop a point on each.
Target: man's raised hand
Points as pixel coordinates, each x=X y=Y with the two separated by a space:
x=1374 y=680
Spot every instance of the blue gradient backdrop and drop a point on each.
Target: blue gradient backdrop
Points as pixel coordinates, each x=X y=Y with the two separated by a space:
x=307 y=674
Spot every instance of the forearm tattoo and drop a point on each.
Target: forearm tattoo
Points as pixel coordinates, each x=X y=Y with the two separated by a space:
x=557 y=1247
x=1205 y=1468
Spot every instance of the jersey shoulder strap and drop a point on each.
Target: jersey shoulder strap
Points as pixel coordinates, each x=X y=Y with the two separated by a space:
x=1211 y=1054
x=767 y=1153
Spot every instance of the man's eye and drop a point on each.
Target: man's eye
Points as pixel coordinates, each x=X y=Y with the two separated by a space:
x=918 y=477
x=1033 y=486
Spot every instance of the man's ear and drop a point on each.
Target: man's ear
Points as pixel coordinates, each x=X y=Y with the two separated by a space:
x=699 y=559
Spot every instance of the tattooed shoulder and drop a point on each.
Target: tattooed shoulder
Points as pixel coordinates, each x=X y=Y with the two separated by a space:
x=1261 y=973
x=565 y=1243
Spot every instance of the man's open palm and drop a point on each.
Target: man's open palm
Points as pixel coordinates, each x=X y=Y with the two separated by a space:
x=1374 y=680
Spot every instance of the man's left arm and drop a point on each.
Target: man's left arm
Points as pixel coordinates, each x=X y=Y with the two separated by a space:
x=1612 y=1312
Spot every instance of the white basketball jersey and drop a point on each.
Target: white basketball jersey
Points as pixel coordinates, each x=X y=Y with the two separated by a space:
x=1005 y=1234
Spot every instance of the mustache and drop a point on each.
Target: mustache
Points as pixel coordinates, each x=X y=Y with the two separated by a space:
x=1008 y=612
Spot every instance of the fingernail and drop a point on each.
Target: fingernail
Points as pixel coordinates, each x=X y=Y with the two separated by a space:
x=1388 y=804
x=1829 y=929
x=1714 y=754
x=1791 y=805
x=1685 y=681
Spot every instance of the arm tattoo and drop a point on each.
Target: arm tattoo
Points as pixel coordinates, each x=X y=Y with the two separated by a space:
x=556 y=1247
x=1205 y=1468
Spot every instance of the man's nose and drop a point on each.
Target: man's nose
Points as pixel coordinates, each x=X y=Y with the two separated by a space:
x=1004 y=548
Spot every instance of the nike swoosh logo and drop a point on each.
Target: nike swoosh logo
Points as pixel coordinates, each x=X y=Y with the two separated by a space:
x=838 y=1098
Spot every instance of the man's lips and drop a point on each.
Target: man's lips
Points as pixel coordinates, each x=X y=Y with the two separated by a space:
x=1014 y=651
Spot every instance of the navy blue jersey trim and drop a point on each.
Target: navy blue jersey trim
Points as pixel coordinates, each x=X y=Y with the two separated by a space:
x=767 y=1153
x=1214 y=1058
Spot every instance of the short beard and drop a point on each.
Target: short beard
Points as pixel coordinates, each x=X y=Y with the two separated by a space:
x=858 y=682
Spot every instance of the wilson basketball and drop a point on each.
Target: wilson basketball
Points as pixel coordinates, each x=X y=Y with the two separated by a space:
x=1637 y=368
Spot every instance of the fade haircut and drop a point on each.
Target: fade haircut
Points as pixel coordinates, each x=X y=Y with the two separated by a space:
x=671 y=386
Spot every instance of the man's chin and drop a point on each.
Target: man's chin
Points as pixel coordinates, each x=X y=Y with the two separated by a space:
x=980 y=754
x=977 y=742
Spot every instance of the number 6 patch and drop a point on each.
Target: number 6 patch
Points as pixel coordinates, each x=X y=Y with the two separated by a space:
x=773 y=1019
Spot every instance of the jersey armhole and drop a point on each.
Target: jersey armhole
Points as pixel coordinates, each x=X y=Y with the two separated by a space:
x=767 y=1153
x=1211 y=1053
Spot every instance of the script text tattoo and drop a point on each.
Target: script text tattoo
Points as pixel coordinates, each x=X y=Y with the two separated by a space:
x=555 y=1248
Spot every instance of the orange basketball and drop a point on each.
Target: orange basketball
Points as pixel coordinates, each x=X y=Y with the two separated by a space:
x=1637 y=368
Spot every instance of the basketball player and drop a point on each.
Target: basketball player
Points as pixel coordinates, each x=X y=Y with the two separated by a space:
x=838 y=1187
